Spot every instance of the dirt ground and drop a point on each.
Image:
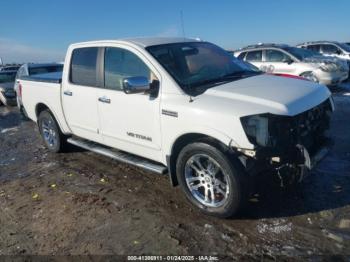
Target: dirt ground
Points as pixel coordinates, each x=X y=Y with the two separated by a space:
x=81 y=203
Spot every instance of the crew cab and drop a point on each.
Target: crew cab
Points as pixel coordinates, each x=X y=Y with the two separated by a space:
x=186 y=108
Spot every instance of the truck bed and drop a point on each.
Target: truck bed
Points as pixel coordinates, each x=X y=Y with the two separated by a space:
x=44 y=89
x=55 y=77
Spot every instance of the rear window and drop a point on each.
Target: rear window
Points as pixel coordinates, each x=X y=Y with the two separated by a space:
x=83 y=66
x=45 y=69
x=7 y=77
x=254 y=56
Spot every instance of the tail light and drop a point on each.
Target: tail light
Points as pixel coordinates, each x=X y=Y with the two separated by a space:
x=20 y=90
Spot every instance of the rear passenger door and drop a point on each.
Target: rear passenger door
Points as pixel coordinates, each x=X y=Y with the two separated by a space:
x=255 y=58
x=79 y=93
x=314 y=48
x=130 y=122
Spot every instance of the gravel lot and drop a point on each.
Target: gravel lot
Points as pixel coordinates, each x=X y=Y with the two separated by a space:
x=82 y=203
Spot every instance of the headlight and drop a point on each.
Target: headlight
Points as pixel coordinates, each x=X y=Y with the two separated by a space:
x=256 y=128
x=328 y=67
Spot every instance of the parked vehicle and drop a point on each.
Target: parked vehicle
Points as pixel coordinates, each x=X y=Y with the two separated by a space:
x=287 y=60
x=329 y=48
x=183 y=107
x=7 y=94
x=9 y=68
x=30 y=69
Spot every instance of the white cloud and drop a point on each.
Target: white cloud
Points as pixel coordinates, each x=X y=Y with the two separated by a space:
x=12 y=51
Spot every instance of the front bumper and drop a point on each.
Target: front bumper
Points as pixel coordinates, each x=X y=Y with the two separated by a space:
x=333 y=79
x=290 y=165
x=296 y=144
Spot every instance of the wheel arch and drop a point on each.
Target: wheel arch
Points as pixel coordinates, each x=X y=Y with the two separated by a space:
x=40 y=107
x=184 y=140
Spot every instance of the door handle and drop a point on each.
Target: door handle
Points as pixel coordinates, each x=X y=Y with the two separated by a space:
x=104 y=100
x=68 y=93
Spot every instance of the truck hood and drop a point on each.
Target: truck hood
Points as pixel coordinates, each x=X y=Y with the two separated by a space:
x=265 y=94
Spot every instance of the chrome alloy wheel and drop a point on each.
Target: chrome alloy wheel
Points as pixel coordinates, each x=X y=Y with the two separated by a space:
x=49 y=132
x=206 y=180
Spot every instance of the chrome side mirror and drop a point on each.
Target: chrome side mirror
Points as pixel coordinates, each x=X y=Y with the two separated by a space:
x=136 y=84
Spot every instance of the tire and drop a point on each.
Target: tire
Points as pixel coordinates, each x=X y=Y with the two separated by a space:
x=53 y=138
x=221 y=201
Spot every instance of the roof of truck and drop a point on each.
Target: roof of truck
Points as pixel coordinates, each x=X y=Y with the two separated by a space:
x=147 y=41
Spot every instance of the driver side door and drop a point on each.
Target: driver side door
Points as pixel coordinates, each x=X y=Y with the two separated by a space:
x=129 y=122
x=279 y=62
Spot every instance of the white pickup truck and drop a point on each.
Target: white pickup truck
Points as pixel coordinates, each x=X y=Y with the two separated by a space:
x=183 y=107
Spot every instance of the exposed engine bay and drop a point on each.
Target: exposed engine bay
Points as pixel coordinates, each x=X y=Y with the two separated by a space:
x=290 y=146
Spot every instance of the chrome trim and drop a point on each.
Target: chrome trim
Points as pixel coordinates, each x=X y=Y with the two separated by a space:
x=136 y=84
x=104 y=100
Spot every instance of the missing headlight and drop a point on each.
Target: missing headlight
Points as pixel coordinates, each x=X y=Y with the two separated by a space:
x=256 y=128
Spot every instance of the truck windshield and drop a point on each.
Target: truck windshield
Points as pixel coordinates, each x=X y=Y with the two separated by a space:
x=200 y=64
x=6 y=77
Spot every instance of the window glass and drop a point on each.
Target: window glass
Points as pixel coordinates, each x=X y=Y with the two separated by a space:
x=120 y=64
x=45 y=69
x=6 y=77
x=241 y=55
x=276 y=56
x=254 y=56
x=83 y=66
x=329 y=49
x=315 y=48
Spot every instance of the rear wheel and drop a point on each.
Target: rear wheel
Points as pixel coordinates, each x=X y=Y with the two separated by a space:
x=211 y=180
x=53 y=138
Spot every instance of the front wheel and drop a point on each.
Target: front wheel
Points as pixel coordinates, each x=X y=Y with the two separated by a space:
x=50 y=132
x=211 y=180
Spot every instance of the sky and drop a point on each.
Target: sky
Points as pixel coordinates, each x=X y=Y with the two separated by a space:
x=40 y=31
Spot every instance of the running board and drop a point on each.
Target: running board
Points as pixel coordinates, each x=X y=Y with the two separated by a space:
x=119 y=155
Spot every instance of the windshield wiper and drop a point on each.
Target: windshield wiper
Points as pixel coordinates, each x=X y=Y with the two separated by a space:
x=240 y=74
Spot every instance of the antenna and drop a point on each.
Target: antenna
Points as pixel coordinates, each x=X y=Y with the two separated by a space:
x=182 y=24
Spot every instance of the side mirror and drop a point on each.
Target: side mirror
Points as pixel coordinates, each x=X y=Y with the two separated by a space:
x=289 y=61
x=339 y=52
x=136 y=84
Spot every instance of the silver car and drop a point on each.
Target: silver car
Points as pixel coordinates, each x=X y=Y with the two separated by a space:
x=329 y=48
x=287 y=60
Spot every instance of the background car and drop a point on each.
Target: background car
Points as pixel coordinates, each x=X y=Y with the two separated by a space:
x=329 y=48
x=287 y=60
x=9 y=68
x=7 y=94
x=33 y=69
